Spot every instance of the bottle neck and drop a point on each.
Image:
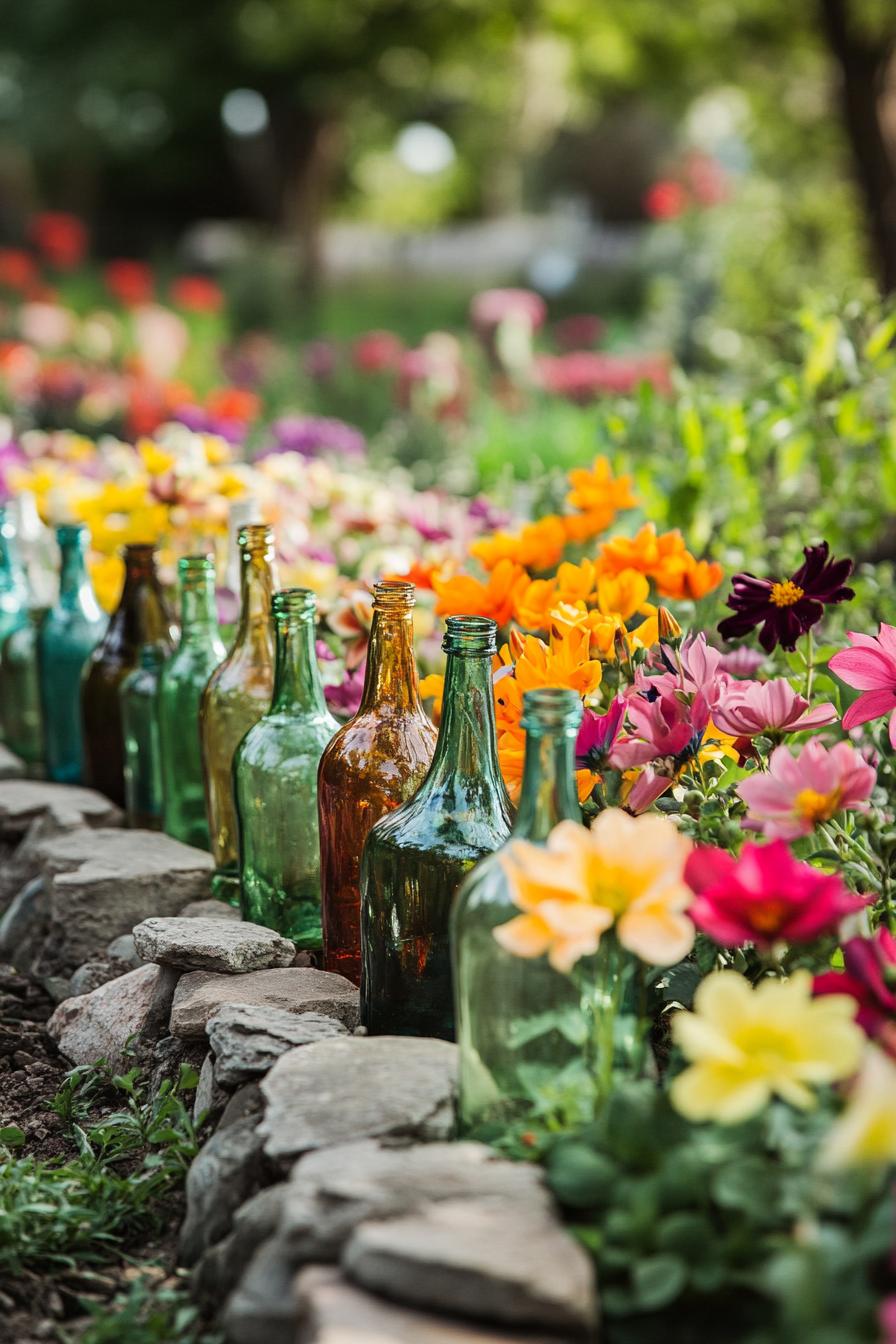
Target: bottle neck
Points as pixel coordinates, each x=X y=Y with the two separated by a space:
x=390 y=680
x=258 y=580
x=467 y=747
x=12 y=573
x=297 y=684
x=198 y=613
x=141 y=616
x=548 y=793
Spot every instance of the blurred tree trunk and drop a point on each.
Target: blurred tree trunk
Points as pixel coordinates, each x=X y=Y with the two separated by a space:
x=862 y=65
x=309 y=161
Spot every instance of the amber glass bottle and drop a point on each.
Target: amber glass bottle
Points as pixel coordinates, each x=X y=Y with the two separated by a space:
x=141 y=617
x=415 y=860
x=238 y=693
x=373 y=764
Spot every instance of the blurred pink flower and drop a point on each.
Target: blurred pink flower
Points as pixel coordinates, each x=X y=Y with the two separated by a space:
x=46 y=325
x=581 y=329
x=796 y=793
x=491 y=307
x=749 y=708
x=870 y=667
x=377 y=351
x=869 y=976
x=742 y=661
x=345 y=699
x=161 y=338
x=583 y=375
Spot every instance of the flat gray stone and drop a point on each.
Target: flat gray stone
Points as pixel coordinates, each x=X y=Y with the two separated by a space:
x=97 y=972
x=334 y=1189
x=123 y=949
x=200 y=944
x=333 y=1311
x=262 y=1310
x=493 y=1260
x=101 y=883
x=11 y=766
x=60 y=807
x=247 y=1039
x=296 y=989
x=99 y=1025
x=210 y=909
x=223 y=1175
x=356 y=1087
x=222 y=1264
x=210 y=1099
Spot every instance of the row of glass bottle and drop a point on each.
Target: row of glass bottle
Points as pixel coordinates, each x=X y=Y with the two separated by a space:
x=402 y=814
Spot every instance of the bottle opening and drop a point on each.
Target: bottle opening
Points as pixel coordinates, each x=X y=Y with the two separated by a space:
x=474 y=636
x=294 y=602
x=255 y=538
x=551 y=707
x=72 y=534
x=394 y=595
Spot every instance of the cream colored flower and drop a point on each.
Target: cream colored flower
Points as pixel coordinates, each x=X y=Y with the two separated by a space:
x=865 y=1133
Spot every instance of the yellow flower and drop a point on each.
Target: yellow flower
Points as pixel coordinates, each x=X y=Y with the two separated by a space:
x=865 y=1133
x=433 y=688
x=107 y=577
x=747 y=1045
x=626 y=871
x=565 y=661
x=597 y=494
x=155 y=459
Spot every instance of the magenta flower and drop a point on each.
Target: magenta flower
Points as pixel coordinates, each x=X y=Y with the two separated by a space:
x=798 y=792
x=345 y=700
x=764 y=896
x=787 y=608
x=869 y=976
x=663 y=727
x=749 y=708
x=870 y=667
x=597 y=735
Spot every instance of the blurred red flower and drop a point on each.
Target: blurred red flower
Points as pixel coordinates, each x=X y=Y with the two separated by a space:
x=130 y=282
x=197 y=294
x=233 y=403
x=18 y=269
x=666 y=199
x=583 y=375
x=581 y=329
x=706 y=178
x=377 y=351
x=60 y=237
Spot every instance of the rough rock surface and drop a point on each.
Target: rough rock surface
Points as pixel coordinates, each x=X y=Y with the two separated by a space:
x=168 y=1055
x=199 y=944
x=11 y=767
x=332 y=1190
x=210 y=909
x=297 y=989
x=210 y=1099
x=100 y=1024
x=353 y=1088
x=123 y=949
x=225 y=1172
x=23 y=924
x=97 y=972
x=246 y=1039
x=59 y=807
x=101 y=883
x=222 y=1264
x=494 y=1260
x=262 y=1310
x=333 y=1311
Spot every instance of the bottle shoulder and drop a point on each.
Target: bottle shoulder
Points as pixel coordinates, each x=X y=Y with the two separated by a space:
x=378 y=743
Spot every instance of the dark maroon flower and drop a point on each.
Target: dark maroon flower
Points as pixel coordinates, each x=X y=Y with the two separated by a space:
x=787 y=608
x=869 y=976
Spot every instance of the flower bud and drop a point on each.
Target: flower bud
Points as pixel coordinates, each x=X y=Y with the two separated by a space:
x=668 y=628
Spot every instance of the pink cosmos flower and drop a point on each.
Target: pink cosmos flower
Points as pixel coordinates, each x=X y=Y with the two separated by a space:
x=869 y=666
x=870 y=978
x=665 y=726
x=748 y=708
x=764 y=896
x=798 y=792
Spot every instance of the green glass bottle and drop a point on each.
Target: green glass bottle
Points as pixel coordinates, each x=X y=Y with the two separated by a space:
x=415 y=858
x=518 y=1020
x=13 y=582
x=139 y=695
x=275 y=781
x=238 y=693
x=20 y=691
x=183 y=679
x=68 y=634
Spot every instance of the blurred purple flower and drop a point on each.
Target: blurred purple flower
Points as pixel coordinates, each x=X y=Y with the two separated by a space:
x=485 y=512
x=742 y=661
x=324 y=652
x=11 y=456
x=345 y=700
x=311 y=435
x=319 y=359
x=200 y=421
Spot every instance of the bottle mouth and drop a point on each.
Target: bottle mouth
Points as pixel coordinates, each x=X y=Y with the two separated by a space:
x=293 y=602
x=69 y=533
x=140 y=551
x=394 y=595
x=551 y=707
x=471 y=636
x=255 y=538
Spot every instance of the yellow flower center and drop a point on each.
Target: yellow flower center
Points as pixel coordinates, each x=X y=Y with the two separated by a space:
x=815 y=807
x=785 y=594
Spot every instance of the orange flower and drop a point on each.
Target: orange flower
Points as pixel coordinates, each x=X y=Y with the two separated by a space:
x=566 y=661
x=463 y=595
x=599 y=496
x=419 y=574
x=512 y=757
x=687 y=577
x=622 y=594
x=233 y=403
x=646 y=552
x=534 y=603
x=433 y=688
x=539 y=545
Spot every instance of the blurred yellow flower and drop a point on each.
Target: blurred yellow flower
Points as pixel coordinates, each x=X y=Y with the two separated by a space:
x=107 y=577
x=865 y=1133
x=154 y=458
x=748 y=1044
x=626 y=871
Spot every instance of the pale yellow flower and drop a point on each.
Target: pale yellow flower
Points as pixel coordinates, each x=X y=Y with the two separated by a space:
x=747 y=1045
x=626 y=871
x=865 y=1133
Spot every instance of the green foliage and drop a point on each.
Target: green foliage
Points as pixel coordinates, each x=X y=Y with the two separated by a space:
x=149 y=1312
x=683 y=1220
x=59 y=1214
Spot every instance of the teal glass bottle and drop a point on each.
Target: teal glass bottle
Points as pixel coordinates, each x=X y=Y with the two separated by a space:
x=275 y=782
x=415 y=858
x=13 y=582
x=139 y=695
x=68 y=634
x=518 y=1020
x=183 y=679
x=20 y=692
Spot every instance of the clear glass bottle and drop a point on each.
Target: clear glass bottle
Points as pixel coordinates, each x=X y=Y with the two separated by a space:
x=68 y=634
x=275 y=778
x=20 y=691
x=518 y=1020
x=373 y=764
x=139 y=694
x=238 y=693
x=183 y=679
x=141 y=617
x=415 y=859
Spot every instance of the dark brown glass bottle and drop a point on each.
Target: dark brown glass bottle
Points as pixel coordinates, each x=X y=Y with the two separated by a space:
x=141 y=617
x=373 y=764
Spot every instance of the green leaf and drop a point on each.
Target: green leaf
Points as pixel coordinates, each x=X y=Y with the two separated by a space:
x=657 y=1280
x=580 y=1176
x=11 y=1136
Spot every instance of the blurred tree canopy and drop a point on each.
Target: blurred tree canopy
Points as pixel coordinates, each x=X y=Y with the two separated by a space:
x=114 y=109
